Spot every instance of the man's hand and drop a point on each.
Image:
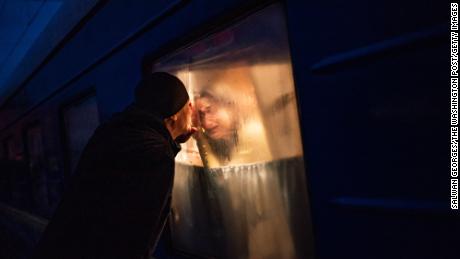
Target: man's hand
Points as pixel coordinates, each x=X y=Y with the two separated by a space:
x=184 y=137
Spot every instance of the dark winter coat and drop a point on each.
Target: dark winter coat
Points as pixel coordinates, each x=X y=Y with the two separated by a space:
x=119 y=199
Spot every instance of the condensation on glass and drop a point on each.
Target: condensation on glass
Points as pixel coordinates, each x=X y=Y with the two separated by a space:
x=240 y=189
x=80 y=119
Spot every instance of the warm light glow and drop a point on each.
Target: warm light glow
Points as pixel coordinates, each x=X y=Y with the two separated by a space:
x=240 y=179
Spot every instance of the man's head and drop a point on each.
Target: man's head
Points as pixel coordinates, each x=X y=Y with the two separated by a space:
x=180 y=124
x=164 y=95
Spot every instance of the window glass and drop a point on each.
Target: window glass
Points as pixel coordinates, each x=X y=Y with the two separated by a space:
x=80 y=120
x=239 y=189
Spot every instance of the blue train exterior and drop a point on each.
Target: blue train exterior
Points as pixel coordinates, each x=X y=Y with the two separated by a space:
x=372 y=91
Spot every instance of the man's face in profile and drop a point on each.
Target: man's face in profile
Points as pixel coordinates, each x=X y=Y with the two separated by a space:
x=184 y=119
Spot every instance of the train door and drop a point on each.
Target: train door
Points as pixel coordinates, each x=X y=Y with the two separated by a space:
x=240 y=188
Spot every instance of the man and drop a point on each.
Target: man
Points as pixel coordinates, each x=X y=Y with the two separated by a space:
x=119 y=199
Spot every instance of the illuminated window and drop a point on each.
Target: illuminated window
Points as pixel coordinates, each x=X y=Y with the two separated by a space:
x=239 y=189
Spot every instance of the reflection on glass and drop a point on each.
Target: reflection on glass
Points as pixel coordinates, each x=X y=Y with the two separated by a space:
x=239 y=189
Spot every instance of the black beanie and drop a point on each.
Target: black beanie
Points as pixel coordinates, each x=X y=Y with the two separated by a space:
x=162 y=94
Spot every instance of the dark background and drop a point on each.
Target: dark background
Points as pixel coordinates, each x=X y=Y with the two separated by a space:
x=372 y=81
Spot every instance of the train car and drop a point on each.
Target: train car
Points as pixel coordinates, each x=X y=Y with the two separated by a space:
x=322 y=124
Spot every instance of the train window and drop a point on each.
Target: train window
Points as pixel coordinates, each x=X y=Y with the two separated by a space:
x=80 y=121
x=240 y=189
x=37 y=169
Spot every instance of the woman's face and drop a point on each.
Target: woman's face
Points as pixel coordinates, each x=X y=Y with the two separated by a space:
x=217 y=119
